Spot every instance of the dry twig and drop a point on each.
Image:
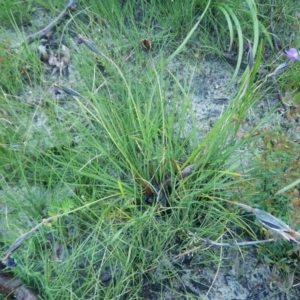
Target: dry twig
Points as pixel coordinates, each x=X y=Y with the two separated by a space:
x=29 y=39
x=272 y=223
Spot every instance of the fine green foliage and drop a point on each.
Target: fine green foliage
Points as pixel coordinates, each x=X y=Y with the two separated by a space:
x=18 y=11
x=106 y=161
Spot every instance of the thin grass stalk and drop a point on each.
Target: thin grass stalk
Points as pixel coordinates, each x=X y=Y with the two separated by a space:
x=252 y=7
x=224 y=129
x=181 y=46
x=229 y=23
x=240 y=41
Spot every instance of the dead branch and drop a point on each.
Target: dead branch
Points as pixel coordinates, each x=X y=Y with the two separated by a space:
x=29 y=39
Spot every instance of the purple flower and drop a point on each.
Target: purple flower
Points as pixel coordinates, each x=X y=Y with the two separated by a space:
x=293 y=54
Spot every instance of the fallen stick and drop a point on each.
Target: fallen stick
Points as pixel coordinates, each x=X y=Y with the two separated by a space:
x=272 y=223
x=29 y=39
x=211 y=242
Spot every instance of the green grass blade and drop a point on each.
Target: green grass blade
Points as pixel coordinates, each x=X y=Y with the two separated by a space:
x=253 y=11
x=240 y=42
x=229 y=23
x=181 y=46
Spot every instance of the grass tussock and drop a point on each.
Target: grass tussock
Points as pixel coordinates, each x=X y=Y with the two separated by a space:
x=109 y=159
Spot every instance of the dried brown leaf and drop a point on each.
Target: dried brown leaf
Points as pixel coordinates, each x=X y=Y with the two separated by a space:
x=43 y=53
x=91 y=45
x=188 y=170
x=66 y=52
x=52 y=61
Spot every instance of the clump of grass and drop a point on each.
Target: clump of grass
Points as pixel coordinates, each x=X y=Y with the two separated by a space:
x=99 y=164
